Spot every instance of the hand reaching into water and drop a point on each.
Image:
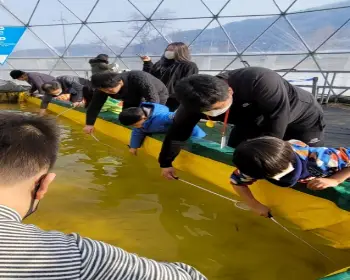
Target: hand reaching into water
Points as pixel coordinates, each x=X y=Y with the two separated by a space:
x=261 y=210
x=88 y=129
x=78 y=104
x=169 y=173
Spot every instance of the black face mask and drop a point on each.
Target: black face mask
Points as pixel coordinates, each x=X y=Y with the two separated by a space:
x=31 y=209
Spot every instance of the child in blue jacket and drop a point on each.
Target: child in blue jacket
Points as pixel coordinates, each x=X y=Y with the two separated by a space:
x=147 y=119
x=286 y=163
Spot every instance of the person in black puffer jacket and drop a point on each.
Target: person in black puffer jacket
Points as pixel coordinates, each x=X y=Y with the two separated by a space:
x=132 y=87
x=174 y=65
x=100 y=64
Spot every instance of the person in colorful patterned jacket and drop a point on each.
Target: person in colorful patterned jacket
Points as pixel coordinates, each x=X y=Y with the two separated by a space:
x=286 y=163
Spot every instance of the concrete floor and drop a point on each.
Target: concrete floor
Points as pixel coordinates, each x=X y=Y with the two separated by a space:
x=337 y=125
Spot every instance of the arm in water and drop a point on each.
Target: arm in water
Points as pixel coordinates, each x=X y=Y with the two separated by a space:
x=136 y=140
x=179 y=132
x=240 y=183
x=247 y=196
x=96 y=104
x=46 y=99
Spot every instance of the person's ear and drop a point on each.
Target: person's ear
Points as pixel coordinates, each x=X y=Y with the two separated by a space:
x=230 y=91
x=44 y=185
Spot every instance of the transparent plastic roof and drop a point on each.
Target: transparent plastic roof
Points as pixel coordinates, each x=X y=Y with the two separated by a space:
x=312 y=36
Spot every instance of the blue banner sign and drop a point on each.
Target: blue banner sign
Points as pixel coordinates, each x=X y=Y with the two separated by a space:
x=9 y=37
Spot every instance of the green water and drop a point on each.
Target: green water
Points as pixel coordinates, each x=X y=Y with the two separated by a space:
x=110 y=195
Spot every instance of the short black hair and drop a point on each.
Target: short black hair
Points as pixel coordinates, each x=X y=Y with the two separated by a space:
x=51 y=86
x=105 y=80
x=263 y=157
x=131 y=115
x=28 y=144
x=200 y=92
x=102 y=57
x=15 y=74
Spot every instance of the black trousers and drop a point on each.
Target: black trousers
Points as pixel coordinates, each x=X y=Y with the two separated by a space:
x=314 y=136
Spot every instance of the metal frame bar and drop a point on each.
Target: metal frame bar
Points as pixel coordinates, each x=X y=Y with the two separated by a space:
x=307 y=47
x=28 y=28
x=329 y=89
x=324 y=89
x=231 y=57
x=257 y=38
x=33 y=12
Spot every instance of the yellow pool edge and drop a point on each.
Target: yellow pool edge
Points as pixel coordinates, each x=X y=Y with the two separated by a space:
x=314 y=214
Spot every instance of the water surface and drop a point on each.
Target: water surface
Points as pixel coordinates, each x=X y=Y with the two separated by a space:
x=110 y=195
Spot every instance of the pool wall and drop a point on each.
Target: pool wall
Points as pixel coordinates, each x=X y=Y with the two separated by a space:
x=342 y=274
x=207 y=161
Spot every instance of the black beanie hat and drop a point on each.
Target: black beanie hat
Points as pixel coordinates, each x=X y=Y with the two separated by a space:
x=103 y=57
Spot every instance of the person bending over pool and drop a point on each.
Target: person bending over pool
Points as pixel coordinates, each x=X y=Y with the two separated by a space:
x=69 y=88
x=150 y=118
x=285 y=163
x=28 y=151
x=132 y=87
x=258 y=102
x=35 y=79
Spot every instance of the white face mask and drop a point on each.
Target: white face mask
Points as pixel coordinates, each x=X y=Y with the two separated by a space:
x=289 y=169
x=169 y=54
x=218 y=112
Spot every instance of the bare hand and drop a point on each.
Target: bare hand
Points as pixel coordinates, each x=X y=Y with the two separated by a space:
x=88 y=129
x=133 y=151
x=169 y=173
x=261 y=210
x=77 y=104
x=145 y=58
x=63 y=97
x=322 y=183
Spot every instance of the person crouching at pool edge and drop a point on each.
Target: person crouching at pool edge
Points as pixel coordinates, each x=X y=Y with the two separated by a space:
x=65 y=88
x=286 y=163
x=147 y=119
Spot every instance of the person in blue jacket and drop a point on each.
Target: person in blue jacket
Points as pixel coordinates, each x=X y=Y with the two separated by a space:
x=148 y=119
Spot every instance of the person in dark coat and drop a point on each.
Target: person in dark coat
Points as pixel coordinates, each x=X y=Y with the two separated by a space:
x=285 y=164
x=35 y=79
x=76 y=87
x=174 y=65
x=100 y=64
x=132 y=87
x=259 y=103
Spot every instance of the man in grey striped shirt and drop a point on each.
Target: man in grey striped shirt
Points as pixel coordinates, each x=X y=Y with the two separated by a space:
x=28 y=150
